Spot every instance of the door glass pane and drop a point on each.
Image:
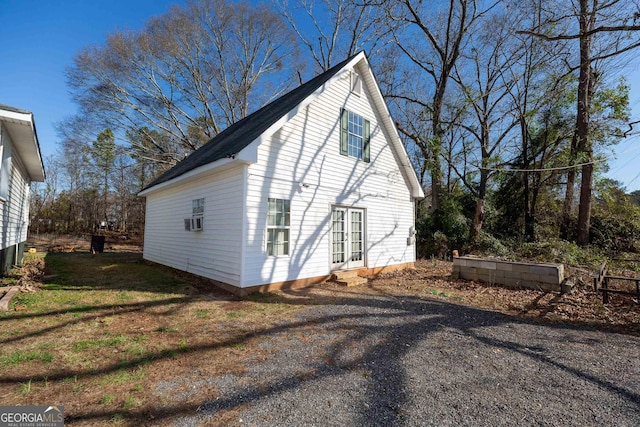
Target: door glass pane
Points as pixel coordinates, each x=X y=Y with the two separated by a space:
x=337 y=235
x=356 y=236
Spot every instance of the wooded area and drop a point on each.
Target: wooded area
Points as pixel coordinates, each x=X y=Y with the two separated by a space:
x=508 y=109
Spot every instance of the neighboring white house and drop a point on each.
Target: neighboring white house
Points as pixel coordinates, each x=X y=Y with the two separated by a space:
x=316 y=181
x=21 y=164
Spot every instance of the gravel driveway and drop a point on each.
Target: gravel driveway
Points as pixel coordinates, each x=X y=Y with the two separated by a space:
x=385 y=361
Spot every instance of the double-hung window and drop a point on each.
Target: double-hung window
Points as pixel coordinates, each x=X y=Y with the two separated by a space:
x=197 y=214
x=278 y=224
x=354 y=135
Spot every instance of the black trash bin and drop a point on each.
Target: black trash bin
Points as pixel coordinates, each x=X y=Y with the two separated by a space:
x=97 y=244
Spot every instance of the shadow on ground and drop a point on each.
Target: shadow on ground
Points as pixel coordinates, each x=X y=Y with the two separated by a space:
x=380 y=359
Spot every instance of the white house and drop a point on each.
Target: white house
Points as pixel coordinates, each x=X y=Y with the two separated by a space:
x=21 y=164
x=316 y=181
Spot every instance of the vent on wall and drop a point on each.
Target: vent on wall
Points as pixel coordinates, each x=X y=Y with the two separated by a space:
x=356 y=83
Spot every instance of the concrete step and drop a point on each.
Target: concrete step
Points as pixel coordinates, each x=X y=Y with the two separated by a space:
x=353 y=281
x=344 y=274
x=348 y=278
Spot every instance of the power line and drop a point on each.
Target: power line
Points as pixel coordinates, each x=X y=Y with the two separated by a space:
x=631 y=182
x=624 y=165
x=559 y=168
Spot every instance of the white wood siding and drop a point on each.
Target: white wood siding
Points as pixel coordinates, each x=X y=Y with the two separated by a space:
x=302 y=162
x=15 y=207
x=214 y=252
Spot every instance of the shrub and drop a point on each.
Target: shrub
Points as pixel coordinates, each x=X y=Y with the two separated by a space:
x=488 y=245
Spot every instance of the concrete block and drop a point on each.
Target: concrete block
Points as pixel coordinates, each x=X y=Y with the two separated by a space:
x=504 y=266
x=473 y=263
x=543 y=270
x=499 y=273
x=531 y=277
x=550 y=279
x=566 y=287
x=513 y=275
x=484 y=271
x=456 y=267
x=487 y=278
x=460 y=261
x=522 y=268
x=489 y=265
x=502 y=281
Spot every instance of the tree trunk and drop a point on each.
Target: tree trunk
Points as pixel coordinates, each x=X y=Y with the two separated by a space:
x=569 y=191
x=478 y=220
x=478 y=216
x=582 y=128
x=584 y=213
x=436 y=187
x=436 y=149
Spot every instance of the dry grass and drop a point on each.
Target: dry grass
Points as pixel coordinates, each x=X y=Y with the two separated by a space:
x=119 y=341
x=581 y=306
x=109 y=328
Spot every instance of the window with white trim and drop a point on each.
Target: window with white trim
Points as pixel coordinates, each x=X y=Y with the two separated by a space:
x=278 y=224
x=355 y=136
x=197 y=214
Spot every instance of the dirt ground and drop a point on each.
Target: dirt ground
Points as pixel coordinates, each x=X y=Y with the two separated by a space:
x=581 y=306
x=123 y=342
x=433 y=278
x=114 y=242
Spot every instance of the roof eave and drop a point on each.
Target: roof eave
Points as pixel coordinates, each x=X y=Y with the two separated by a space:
x=385 y=116
x=247 y=156
x=28 y=147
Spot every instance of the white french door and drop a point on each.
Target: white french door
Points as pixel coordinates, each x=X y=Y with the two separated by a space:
x=347 y=238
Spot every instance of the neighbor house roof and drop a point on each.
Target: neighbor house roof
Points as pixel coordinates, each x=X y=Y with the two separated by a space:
x=243 y=132
x=22 y=128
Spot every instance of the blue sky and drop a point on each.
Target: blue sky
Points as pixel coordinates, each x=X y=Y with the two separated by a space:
x=41 y=37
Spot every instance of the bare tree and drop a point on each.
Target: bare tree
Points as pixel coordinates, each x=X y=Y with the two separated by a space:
x=486 y=89
x=603 y=30
x=187 y=75
x=332 y=30
x=432 y=36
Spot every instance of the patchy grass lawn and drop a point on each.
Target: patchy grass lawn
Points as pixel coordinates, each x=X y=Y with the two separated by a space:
x=102 y=334
x=119 y=341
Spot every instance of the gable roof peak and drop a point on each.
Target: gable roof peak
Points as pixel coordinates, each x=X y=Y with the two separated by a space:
x=243 y=132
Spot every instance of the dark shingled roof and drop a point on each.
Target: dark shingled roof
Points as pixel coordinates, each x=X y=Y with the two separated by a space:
x=240 y=134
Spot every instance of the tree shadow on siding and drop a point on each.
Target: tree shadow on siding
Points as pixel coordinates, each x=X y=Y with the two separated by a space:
x=314 y=194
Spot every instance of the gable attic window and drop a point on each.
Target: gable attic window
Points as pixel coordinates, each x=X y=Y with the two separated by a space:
x=197 y=214
x=354 y=136
x=278 y=223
